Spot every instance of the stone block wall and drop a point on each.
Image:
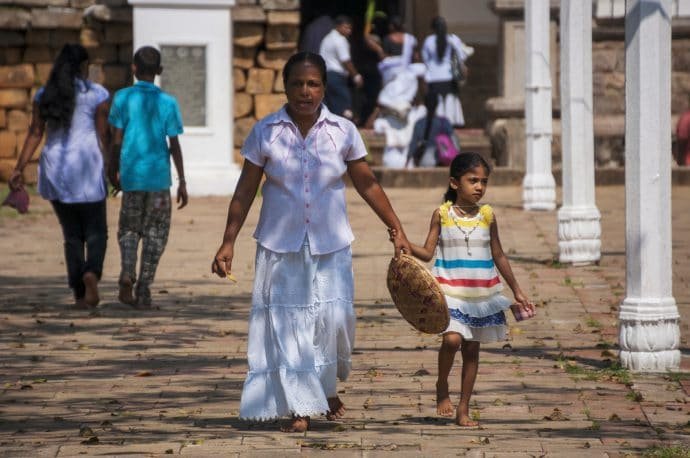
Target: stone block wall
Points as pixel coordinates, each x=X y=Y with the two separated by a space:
x=32 y=32
x=265 y=34
x=608 y=84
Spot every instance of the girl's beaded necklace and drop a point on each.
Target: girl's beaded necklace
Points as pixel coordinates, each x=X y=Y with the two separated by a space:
x=465 y=233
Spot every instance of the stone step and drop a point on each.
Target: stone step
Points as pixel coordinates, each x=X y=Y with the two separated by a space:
x=474 y=140
x=503 y=176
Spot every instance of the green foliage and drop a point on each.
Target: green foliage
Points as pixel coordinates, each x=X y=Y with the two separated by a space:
x=667 y=451
x=634 y=396
x=613 y=371
x=593 y=323
x=677 y=376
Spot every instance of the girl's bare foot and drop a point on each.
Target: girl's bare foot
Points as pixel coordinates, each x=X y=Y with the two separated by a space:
x=465 y=420
x=296 y=425
x=336 y=408
x=444 y=407
x=125 y=294
x=91 y=294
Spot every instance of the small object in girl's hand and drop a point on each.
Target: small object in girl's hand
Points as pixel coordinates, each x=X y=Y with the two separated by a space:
x=231 y=277
x=521 y=314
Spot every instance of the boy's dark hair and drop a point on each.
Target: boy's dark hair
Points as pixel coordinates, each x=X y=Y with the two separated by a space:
x=463 y=163
x=342 y=19
x=301 y=57
x=56 y=105
x=147 y=59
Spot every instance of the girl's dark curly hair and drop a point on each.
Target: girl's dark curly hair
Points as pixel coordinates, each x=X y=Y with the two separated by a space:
x=56 y=105
x=463 y=163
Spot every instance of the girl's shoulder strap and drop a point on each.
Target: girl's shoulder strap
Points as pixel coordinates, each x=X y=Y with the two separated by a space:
x=443 y=212
x=487 y=213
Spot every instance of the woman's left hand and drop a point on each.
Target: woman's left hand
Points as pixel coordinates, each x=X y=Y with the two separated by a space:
x=400 y=242
x=15 y=180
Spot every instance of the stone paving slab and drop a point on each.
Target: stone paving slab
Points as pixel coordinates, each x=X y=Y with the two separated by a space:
x=167 y=381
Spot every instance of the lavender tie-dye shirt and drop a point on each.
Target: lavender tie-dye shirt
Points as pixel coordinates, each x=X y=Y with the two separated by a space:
x=71 y=165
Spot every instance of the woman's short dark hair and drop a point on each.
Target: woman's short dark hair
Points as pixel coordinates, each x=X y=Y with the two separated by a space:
x=147 y=59
x=56 y=104
x=463 y=163
x=302 y=57
x=342 y=19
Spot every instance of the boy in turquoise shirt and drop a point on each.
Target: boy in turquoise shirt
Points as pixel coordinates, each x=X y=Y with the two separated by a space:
x=144 y=119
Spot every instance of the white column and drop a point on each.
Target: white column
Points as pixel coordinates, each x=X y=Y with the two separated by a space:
x=185 y=27
x=539 y=187
x=579 y=229
x=649 y=334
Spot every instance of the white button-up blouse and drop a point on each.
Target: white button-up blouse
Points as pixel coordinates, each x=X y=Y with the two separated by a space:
x=304 y=192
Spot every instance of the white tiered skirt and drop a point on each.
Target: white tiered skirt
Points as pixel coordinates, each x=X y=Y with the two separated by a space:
x=301 y=332
x=481 y=320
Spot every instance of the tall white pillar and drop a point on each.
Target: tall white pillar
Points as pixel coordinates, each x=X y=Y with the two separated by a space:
x=649 y=334
x=539 y=187
x=579 y=229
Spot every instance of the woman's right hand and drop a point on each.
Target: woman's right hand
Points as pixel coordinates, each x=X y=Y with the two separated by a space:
x=222 y=263
x=16 y=181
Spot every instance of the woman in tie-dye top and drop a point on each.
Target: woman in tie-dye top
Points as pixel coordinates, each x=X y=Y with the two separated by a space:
x=463 y=237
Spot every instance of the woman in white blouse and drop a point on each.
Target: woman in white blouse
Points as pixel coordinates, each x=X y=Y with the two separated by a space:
x=301 y=326
x=436 y=54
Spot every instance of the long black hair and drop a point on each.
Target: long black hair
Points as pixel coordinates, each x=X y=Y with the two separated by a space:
x=438 y=25
x=302 y=57
x=463 y=163
x=56 y=105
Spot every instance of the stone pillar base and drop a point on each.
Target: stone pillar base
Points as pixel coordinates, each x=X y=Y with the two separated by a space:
x=539 y=192
x=579 y=233
x=649 y=334
x=660 y=361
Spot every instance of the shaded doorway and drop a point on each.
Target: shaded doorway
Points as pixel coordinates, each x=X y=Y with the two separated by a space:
x=363 y=58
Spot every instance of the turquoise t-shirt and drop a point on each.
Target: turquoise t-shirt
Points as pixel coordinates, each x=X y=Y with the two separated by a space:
x=147 y=115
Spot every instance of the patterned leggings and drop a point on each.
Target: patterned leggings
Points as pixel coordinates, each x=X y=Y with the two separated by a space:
x=144 y=216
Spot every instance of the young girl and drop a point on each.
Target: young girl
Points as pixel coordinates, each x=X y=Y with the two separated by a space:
x=463 y=236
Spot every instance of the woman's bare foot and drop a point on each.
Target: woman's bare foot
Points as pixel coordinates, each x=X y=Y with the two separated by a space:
x=466 y=421
x=91 y=294
x=444 y=407
x=125 y=294
x=296 y=425
x=336 y=408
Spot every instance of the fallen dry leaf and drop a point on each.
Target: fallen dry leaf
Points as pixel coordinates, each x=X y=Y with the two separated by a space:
x=556 y=415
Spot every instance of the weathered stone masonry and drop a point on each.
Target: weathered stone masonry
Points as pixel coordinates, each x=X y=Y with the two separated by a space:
x=31 y=34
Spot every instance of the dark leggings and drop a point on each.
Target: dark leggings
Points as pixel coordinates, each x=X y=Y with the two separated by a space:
x=83 y=226
x=338 y=98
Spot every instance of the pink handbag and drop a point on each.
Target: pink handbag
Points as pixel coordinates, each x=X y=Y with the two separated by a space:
x=18 y=199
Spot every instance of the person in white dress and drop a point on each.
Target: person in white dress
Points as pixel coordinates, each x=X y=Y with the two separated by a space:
x=302 y=322
x=436 y=54
x=395 y=115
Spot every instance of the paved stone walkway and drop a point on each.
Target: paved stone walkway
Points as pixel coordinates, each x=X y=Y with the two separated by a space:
x=120 y=382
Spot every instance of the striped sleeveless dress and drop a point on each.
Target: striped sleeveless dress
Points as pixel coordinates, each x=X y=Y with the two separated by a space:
x=465 y=270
